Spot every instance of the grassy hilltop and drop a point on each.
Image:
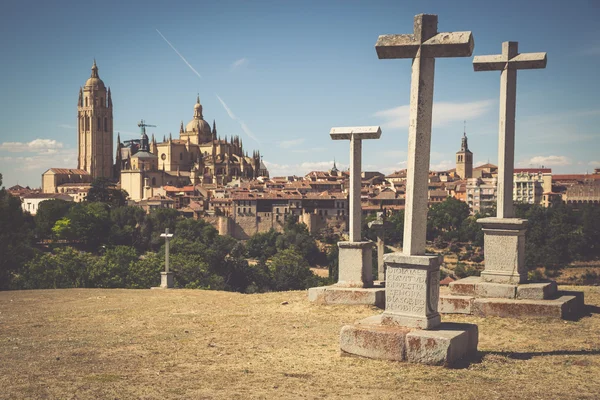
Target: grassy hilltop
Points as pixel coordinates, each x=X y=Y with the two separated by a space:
x=151 y=344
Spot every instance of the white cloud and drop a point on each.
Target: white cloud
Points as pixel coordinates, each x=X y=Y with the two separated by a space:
x=239 y=63
x=311 y=150
x=444 y=165
x=66 y=126
x=66 y=158
x=394 y=153
x=594 y=163
x=286 y=144
x=549 y=161
x=443 y=113
x=35 y=146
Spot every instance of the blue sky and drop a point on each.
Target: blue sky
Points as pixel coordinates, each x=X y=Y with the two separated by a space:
x=280 y=74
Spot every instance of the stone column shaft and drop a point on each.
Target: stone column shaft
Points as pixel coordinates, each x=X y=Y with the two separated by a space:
x=506 y=142
x=355 y=186
x=419 y=144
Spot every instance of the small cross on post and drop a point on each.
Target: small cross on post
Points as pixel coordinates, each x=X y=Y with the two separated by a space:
x=508 y=63
x=166 y=276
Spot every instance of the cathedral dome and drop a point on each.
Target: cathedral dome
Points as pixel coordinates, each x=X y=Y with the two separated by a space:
x=94 y=79
x=198 y=124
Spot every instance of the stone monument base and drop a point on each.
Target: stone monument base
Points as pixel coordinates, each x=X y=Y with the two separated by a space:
x=373 y=296
x=166 y=281
x=445 y=345
x=473 y=295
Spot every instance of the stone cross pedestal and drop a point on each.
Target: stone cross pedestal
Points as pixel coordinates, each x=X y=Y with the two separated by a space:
x=355 y=281
x=504 y=235
x=503 y=289
x=166 y=277
x=380 y=225
x=412 y=281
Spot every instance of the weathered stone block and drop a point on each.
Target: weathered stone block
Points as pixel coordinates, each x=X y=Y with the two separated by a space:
x=537 y=291
x=465 y=286
x=504 y=240
x=451 y=304
x=499 y=290
x=443 y=346
x=355 y=264
x=412 y=291
x=166 y=280
x=374 y=341
x=351 y=296
x=557 y=308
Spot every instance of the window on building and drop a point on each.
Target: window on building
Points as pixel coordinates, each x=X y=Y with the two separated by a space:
x=153 y=181
x=105 y=124
x=102 y=103
x=99 y=123
x=86 y=101
x=180 y=156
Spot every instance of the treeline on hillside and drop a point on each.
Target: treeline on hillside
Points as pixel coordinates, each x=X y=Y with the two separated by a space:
x=103 y=245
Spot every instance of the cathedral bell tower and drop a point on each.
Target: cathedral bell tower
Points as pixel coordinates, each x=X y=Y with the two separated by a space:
x=464 y=159
x=95 y=127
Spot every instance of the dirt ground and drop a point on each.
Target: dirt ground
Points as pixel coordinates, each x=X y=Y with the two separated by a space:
x=156 y=344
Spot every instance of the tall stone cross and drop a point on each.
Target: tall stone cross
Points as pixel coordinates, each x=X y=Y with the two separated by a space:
x=424 y=45
x=355 y=135
x=508 y=63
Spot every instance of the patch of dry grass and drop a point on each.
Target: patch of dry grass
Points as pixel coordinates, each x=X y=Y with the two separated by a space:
x=152 y=344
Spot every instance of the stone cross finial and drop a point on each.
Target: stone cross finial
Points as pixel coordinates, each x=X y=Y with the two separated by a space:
x=167 y=237
x=508 y=63
x=355 y=135
x=423 y=46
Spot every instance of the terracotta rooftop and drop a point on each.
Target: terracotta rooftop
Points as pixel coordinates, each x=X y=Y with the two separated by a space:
x=69 y=171
x=533 y=170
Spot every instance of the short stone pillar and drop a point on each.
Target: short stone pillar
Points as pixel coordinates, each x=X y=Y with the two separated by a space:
x=412 y=290
x=355 y=264
x=504 y=243
x=380 y=225
x=166 y=280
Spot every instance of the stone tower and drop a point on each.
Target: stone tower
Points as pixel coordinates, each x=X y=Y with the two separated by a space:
x=95 y=127
x=464 y=160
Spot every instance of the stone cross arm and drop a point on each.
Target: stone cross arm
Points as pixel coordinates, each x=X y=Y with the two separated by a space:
x=166 y=235
x=510 y=59
x=449 y=44
x=356 y=132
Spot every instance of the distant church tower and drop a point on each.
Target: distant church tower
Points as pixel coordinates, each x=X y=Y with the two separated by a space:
x=95 y=127
x=464 y=159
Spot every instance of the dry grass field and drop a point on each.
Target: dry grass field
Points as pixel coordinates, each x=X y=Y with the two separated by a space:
x=153 y=344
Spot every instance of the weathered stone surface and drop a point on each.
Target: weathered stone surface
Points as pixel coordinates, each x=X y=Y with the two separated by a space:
x=355 y=264
x=562 y=307
x=500 y=290
x=412 y=291
x=451 y=304
x=374 y=341
x=351 y=296
x=443 y=346
x=465 y=286
x=504 y=240
x=166 y=280
x=537 y=291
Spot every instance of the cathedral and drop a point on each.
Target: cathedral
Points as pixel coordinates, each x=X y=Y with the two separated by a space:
x=143 y=166
x=199 y=156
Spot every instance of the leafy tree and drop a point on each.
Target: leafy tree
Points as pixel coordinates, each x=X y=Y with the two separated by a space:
x=112 y=270
x=48 y=213
x=446 y=218
x=88 y=223
x=64 y=268
x=16 y=237
x=125 y=227
x=105 y=191
x=291 y=271
x=263 y=244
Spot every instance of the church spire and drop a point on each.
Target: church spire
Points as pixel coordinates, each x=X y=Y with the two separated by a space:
x=94 y=70
x=181 y=127
x=464 y=146
x=109 y=98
